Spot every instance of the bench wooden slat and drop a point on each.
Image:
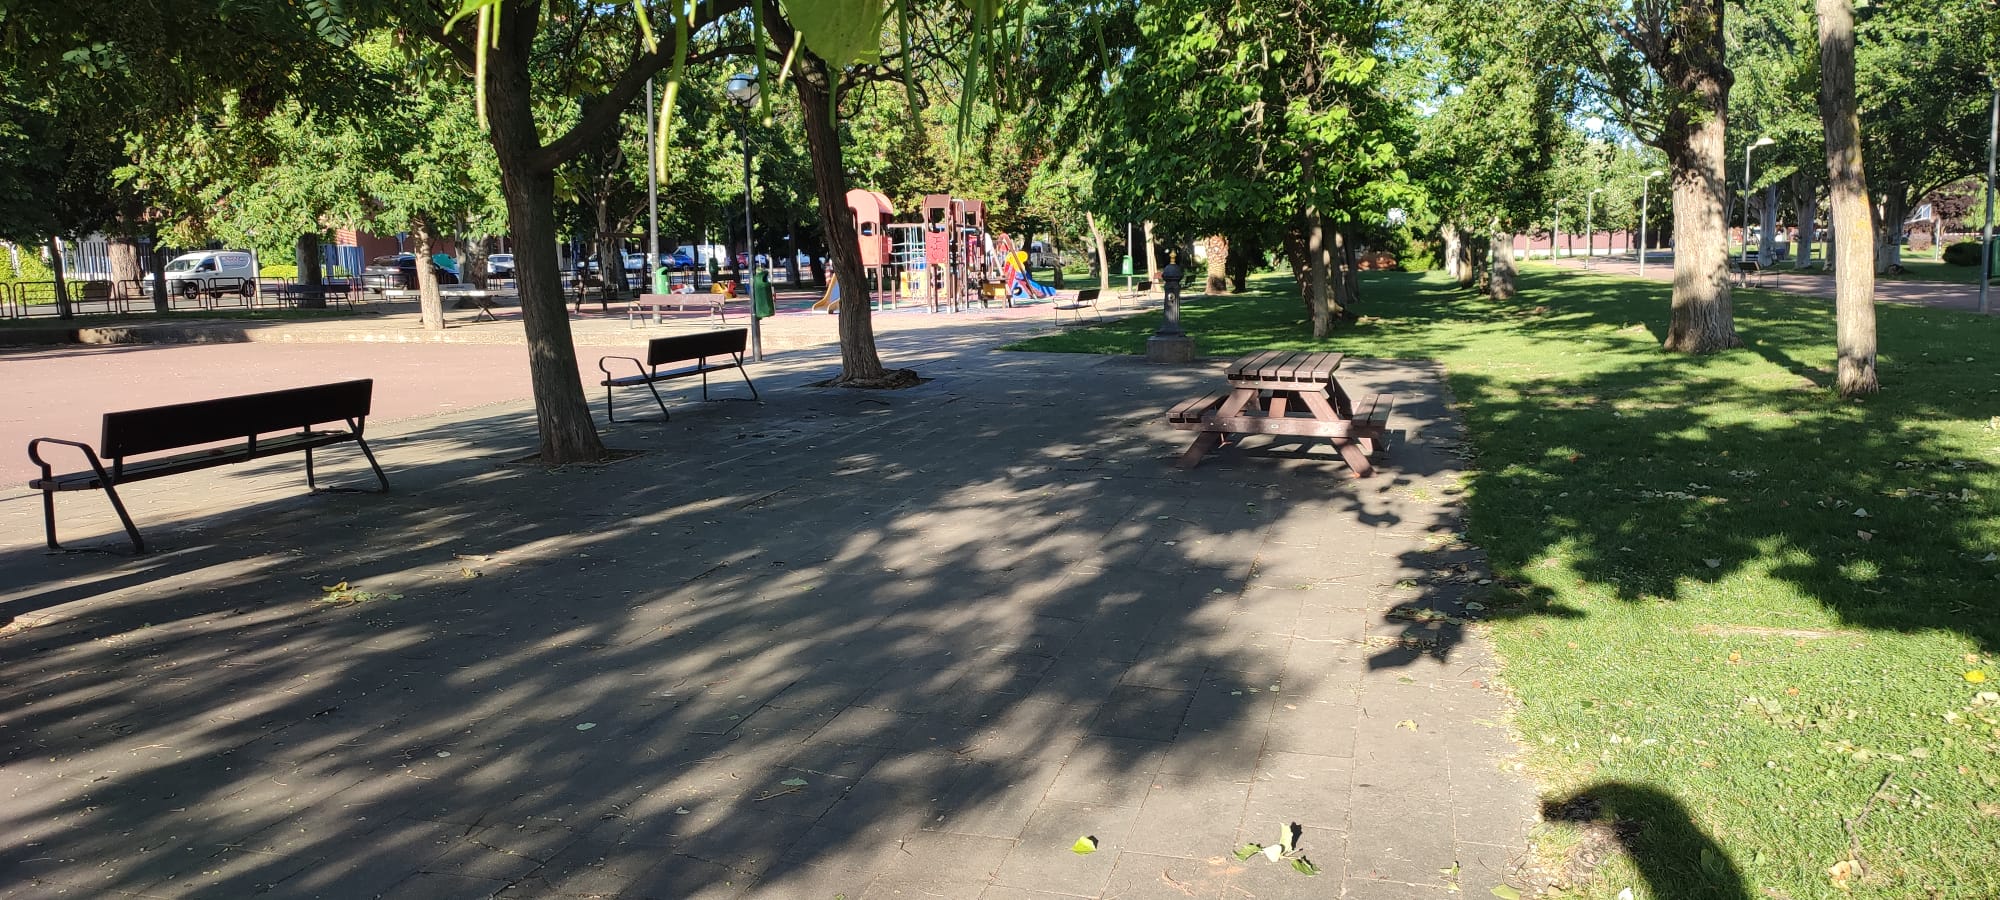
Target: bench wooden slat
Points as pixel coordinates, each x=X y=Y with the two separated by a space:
x=1192 y=410
x=132 y=432
x=1249 y=364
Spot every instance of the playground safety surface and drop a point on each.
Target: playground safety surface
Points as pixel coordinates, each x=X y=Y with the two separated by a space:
x=859 y=644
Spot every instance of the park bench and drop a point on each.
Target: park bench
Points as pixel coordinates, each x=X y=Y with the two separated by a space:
x=1085 y=299
x=233 y=423
x=1747 y=271
x=686 y=348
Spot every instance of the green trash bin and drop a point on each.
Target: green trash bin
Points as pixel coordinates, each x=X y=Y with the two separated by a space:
x=663 y=281
x=763 y=304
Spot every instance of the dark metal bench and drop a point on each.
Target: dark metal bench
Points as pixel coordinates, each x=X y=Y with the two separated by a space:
x=695 y=348
x=1085 y=299
x=184 y=425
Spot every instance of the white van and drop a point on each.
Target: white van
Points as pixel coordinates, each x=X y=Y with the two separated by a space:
x=213 y=272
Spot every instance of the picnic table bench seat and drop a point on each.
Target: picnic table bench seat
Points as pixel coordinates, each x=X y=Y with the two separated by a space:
x=254 y=426
x=724 y=346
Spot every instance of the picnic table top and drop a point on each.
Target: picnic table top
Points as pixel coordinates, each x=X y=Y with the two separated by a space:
x=1283 y=367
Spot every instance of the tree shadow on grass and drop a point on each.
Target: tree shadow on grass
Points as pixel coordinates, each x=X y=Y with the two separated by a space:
x=1672 y=852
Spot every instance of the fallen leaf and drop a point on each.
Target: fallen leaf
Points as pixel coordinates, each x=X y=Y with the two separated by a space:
x=793 y=782
x=585 y=726
x=468 y=572
x=1084 y=846
x=1303 y=867
x=1990 y=810
x=682 y=810
x=1244 y=853
x=1860 y=513
x=1735 y=656
x=1843 y=872
x=1865 y=535
x=1274 y=853
x=1407 y=723
x=1976 y=676
x=1713 y=563
x=1506 y=893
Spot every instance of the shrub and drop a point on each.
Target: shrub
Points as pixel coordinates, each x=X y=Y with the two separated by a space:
x=278 y=271
x=1963 y=253
x=32 y=268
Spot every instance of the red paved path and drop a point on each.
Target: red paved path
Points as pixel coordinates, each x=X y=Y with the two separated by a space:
x=62 y=392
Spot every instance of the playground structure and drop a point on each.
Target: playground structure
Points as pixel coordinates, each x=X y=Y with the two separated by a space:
x=947 y=259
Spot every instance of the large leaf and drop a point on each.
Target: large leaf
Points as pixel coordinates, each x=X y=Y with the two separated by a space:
x=842 y=32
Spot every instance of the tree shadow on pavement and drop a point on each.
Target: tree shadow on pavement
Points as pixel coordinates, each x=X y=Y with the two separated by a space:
x=793 y=645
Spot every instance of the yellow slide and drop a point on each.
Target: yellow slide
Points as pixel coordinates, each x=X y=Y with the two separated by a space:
x=830 y=302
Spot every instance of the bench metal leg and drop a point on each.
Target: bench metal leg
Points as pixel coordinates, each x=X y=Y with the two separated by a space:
x=370 y=455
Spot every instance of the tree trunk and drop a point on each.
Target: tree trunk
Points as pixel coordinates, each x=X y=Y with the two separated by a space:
x=1889 y=230
x=125 y=272
x=1502 y=284
x=474 y=268
x=1350 y=284
x=1767 y=241
x=610 y=251
x=1218 y=264
x=305 y=254
x=1152 y=255
x=63 y=310
x=563 y=416
x=1320 y=298
x=1241 y=251
x=1103 y=258
x=162 y=302
x=860 y=365
x=1854 y=279
x=1703 y=319
x=430 y=305
x=1453 y=261
x=1805 y=200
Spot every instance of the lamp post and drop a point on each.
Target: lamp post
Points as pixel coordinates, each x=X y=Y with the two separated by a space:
x=742 y=90
x=1986 y=244
x=1555 y=231
x=1645 y=194
x=1589 y=235
x=1764 y=141
x=652 y=197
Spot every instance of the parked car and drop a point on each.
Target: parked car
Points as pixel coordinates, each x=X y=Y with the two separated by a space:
x=500 y=265
x=399 y=272
x=680 y=260
x=209 y=271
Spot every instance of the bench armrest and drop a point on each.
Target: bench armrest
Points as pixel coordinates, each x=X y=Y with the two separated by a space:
x=35 y=454
x=601 y=367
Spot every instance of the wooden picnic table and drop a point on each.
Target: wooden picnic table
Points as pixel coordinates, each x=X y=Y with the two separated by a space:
x=1285 y=393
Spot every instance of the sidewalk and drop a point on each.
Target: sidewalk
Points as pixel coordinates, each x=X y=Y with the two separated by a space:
x=837 y=643
x=1936 y=294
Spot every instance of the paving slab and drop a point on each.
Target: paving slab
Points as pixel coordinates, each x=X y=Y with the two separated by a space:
x=876 y=644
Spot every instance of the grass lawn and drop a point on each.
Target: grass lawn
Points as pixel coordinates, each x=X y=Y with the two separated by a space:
x=1747 y=622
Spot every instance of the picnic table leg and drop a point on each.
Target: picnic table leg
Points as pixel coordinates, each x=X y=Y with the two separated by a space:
x=1357 y=459
x=1203 y=442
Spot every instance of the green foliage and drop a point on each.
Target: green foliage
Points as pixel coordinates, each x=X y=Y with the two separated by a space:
x=1963 y=253
x=287 y=270
x=31 y=268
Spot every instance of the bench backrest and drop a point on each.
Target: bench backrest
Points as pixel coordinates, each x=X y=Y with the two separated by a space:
x=684 y=347
x=206 y=421
x=1087 y=295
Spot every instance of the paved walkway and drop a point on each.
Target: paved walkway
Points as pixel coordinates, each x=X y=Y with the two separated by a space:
x=836 y=644
x=1938 y=294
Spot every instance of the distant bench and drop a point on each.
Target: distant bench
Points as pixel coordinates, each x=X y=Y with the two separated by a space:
x=1085 y=299
x=240 y=419
x=726 y=347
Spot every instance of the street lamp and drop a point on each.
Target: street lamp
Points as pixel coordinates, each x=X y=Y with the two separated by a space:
x=742 y=90
x=652 y=199
x=1764 y=141
x=1589 y=235
x=1645 y=194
